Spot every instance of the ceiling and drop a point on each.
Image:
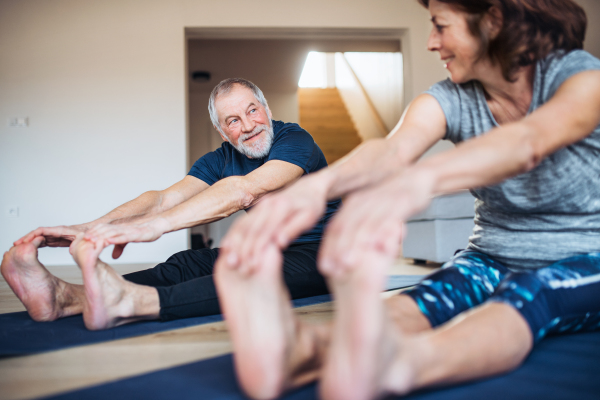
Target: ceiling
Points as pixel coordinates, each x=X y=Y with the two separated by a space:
x=274 y=65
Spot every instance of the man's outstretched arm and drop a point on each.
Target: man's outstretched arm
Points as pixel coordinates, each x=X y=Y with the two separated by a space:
x=220 y=200
x=144 y=206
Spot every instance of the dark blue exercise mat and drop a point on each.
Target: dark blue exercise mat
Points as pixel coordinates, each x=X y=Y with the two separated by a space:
x=560 y=367
x=20 y=335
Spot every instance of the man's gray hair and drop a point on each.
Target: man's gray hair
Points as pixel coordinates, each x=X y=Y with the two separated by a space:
x=225 y=87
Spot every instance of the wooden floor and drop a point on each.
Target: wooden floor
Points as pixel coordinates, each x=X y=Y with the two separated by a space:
x=63 y=370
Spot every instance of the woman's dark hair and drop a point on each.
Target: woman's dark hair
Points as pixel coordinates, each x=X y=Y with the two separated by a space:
x=531 y=29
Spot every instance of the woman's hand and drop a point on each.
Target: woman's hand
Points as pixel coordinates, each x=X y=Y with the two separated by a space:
x=277 y=219
x=121 y=234
x=372 y=221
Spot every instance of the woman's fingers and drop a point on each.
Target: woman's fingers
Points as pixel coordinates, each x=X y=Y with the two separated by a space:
x=276 y=220
x=370 y=221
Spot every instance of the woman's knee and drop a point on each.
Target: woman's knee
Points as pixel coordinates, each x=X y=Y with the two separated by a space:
x=466 y=281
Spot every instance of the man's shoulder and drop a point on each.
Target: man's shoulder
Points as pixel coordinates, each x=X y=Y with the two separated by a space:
x=290 y=130
x=294 y=144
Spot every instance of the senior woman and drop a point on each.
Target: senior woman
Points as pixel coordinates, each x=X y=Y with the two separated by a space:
x=523 y=105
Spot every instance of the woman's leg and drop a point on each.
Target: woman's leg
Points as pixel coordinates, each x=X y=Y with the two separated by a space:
x=296 y=351
x=273 y=350
x=370 y=356
x=561 y=298
x=465 y=281
x=488 y=340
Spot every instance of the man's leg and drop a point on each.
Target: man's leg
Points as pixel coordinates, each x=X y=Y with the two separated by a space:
x=184 y=284
x=186 y=287
x=110 y=300
x=45 y=297
x=300 y=272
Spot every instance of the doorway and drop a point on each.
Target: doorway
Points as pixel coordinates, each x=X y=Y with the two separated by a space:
x=274 y=60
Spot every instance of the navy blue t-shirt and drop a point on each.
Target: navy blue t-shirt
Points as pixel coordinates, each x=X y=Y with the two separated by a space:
x=291 y=143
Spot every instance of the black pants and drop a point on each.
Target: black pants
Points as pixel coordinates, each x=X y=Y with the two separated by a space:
x=186 y=288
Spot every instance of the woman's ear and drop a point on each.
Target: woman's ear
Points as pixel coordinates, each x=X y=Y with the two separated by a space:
x=492 y=22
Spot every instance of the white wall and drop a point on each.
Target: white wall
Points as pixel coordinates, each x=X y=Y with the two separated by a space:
x=592 y=9
x=381 y=76
x=103 y=86
x=103 y=83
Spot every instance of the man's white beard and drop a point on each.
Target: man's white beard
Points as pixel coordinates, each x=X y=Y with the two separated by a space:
x=259 y=149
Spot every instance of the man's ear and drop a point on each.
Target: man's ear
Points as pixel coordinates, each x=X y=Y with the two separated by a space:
x=221 y=134
x=269 y=113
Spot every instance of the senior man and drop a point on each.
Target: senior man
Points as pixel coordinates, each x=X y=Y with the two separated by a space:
x=258 y=156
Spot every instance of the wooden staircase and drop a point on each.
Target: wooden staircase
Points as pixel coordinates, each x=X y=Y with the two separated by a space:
x=324 y=116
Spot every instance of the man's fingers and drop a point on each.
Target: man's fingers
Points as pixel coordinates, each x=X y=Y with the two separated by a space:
x=29 y=237
x=118 y=250
x=95 y=232
x=38 y=241
x=103 y=232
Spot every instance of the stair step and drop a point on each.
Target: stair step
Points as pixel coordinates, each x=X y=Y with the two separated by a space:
x=324 y=115
x=342 y=126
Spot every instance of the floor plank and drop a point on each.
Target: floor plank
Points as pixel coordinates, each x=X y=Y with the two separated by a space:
x=59 y=371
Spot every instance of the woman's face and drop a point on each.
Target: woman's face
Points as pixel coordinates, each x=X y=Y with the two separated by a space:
x=452 y=38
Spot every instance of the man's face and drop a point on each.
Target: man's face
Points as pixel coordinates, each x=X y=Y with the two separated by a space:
x=245 y=123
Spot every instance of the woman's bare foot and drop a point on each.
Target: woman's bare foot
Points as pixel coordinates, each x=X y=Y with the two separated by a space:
x=45 y=297
x=365 y=360
x=110 y=300
x=273 y=351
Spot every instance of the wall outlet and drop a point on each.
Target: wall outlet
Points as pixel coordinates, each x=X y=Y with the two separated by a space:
x=18 y=122
x=12 y=212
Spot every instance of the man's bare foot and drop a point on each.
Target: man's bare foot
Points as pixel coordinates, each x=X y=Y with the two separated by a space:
x=365 y=360
x=273 y=351
x=110 y=300
x=45 y=297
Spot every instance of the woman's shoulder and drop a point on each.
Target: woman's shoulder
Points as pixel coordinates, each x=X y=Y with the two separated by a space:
x=574 y=59
x=448 y=85
x=454 y=91
x=558 y=66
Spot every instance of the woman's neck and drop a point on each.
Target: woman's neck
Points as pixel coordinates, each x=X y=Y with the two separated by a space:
x=509 y=101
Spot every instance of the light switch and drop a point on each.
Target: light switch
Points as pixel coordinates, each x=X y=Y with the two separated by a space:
x=12 y=212
x=18 y=122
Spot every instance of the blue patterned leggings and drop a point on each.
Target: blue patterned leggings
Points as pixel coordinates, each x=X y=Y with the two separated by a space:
x=560 y=298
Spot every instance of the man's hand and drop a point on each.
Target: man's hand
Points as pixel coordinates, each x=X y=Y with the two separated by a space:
x=57 y=236
x=121 y=234
x=371 y=221
x=277 y=219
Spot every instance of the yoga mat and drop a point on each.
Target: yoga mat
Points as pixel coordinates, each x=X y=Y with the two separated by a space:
x=20 y=335
x=560 y=367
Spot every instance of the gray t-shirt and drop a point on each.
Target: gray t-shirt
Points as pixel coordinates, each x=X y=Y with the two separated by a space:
x=549 y=213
